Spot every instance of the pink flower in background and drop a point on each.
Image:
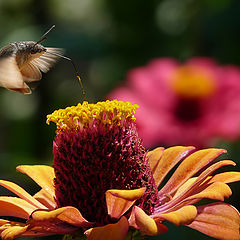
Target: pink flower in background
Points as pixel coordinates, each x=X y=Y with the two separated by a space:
x=195 y=103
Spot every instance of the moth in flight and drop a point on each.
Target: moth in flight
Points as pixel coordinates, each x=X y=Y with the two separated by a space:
x=21 y=64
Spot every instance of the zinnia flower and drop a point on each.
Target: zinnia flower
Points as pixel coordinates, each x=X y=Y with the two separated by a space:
x=194 y=103
x=104 y=185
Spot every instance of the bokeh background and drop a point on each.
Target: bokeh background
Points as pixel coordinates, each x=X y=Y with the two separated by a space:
x=105 y=39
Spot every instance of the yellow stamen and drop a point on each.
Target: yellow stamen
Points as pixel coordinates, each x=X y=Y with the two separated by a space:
x=193 y=82
x=83 y=115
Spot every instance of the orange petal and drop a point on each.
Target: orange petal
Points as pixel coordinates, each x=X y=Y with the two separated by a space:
x=147 y=224
x=21 y=193
x=154 y=157
x=218 y=220
x=117 y=231
x=15 y=207
x=170 y=157
x=3 y=221
x=5 y=224
x=182 y=216
x=43 y=175
x=119 y=201
x=13 y=232
x=131 y=219
x=215 y=191
x=191 y=165
x=226 y=177
x=193 y=186
x=46 y=199
x=69 y=215
x=186 y=186
x=186 y=189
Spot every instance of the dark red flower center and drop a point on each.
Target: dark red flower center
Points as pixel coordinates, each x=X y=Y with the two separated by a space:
x=91 y=160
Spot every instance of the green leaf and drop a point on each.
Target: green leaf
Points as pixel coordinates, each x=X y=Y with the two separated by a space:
x=78 y=236
x=134 y=234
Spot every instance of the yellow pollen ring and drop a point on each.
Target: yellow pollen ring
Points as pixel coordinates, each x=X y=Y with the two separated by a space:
x=193 y=82
x=82 y=116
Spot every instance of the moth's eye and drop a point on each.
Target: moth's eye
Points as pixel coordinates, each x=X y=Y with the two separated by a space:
x=33 y=51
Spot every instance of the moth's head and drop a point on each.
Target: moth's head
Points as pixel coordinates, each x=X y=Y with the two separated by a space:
x=35 y=48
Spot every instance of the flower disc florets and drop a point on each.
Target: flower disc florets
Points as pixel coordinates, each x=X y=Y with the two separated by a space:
x=97 y=148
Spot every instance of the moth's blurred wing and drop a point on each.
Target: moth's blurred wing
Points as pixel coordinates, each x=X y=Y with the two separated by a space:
x=31 y=70
x=30 y=73
x=47 y=59
x=10 y=76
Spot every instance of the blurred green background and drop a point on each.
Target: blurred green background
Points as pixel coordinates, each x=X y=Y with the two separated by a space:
x=105 y=39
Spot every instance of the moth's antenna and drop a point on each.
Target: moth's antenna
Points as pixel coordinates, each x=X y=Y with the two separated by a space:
x=43 y=38
x=75 y=68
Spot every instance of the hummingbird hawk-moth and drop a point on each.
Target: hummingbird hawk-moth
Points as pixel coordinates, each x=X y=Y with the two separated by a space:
x=21 y=64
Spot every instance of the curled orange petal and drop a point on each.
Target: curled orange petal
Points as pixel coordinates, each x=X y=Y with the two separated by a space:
x=119 y=201
x=147 y=224
x=117 y=231
x=43 y=175
x=218 y=220
x=182 y=216
x=130 y=195
x=69 y=215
